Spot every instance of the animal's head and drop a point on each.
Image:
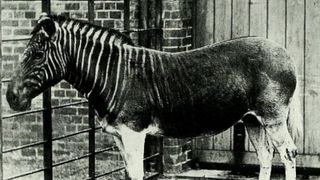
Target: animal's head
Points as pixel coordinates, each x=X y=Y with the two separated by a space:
x=40 y=66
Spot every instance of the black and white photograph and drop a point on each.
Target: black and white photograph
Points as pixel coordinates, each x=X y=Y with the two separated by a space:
x=160 y=89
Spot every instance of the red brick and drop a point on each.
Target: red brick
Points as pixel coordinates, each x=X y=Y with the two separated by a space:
x=120 y=6
x=30 y=15
x=115 y=14
x=6 y=50
x=71 y=93
x=110 y=6
x=22 y=32
x=8 y=5
x=28 y=152
x=172 y=42
x=77 y=119
x=173 y=24
x=175 y=14
x=19 y=15
x=59 y=93
x=6 y=32
x=19 y=49
x=103 y=15
x=83 y=111
x=24 y=6
x=9 y=23
x=98 y=5
x=68 y=111
x=71 y=128
x=108 y=23
x=72 y=6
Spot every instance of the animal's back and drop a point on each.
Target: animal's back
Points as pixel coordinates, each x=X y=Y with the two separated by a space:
x=212 y=87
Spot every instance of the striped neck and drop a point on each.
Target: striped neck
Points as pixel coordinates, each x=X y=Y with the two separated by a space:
x=97 y=61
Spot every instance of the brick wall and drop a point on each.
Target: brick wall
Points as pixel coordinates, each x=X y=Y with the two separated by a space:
x=18 y=19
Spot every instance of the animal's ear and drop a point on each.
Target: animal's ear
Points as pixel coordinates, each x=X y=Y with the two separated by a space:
x=46 y=25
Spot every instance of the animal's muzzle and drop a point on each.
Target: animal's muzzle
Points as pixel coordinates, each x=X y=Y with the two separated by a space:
x=15 y=101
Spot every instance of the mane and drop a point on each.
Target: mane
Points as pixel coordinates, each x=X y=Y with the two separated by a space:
x=61 y=19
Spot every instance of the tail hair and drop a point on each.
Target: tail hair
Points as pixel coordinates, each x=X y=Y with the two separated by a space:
x=295 y=118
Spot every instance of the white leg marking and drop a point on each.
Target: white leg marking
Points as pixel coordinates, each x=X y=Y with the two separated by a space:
x=131 y=145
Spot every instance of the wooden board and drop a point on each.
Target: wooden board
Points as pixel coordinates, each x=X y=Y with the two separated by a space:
x=205 y=23
x=295 y=46
x=276 y=21
x=222 y=29
x=312 y=75
x=222 y=32
x=240 y=18
x=258 y=18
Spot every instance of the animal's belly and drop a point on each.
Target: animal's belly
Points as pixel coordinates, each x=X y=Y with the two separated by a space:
x=181 y=125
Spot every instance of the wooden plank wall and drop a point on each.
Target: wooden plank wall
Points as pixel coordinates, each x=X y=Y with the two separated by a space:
x=294 y=24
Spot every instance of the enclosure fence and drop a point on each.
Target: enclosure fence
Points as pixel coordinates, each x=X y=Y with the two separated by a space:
x=47 y=109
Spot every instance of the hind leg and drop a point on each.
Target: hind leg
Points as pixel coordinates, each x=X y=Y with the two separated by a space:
x=283 y=142
x=262 y=145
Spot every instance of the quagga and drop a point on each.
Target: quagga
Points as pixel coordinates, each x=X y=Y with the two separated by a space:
x=136 y=90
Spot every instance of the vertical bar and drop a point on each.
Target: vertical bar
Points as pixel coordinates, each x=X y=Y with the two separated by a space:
x=158 y=24
x=126 y=15
x=91 y=170
x=47 y=135
x=47 y=118
x=1 y=138
x=143 y=23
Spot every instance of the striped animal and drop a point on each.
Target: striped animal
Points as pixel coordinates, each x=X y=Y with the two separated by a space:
x=136 y=91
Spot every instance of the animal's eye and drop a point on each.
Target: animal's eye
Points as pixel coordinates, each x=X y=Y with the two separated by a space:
x=38 y=55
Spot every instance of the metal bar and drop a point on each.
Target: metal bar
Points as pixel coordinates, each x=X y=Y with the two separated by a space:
x=69 y=104
x=1 y=138
x=152 y=176
x=81 y=157
x=70 y=135
x=152 y=156
x=92 y=143
x=106 y=149
x=22 y=113
x=26 y=174
x=159 y=24
x=23 y=146
x=143 y=23
x=107 y=173
x=92 y=140
x=126 y=15
x=47 y=117
x=53 y=139
x=47 y=135
x=16 y=39
x=160 y=160
x=42 y=109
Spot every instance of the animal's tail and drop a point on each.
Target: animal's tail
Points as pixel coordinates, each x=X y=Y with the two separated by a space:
x=295 y=119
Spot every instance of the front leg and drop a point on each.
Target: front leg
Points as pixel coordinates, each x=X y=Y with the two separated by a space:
x=131 y=145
